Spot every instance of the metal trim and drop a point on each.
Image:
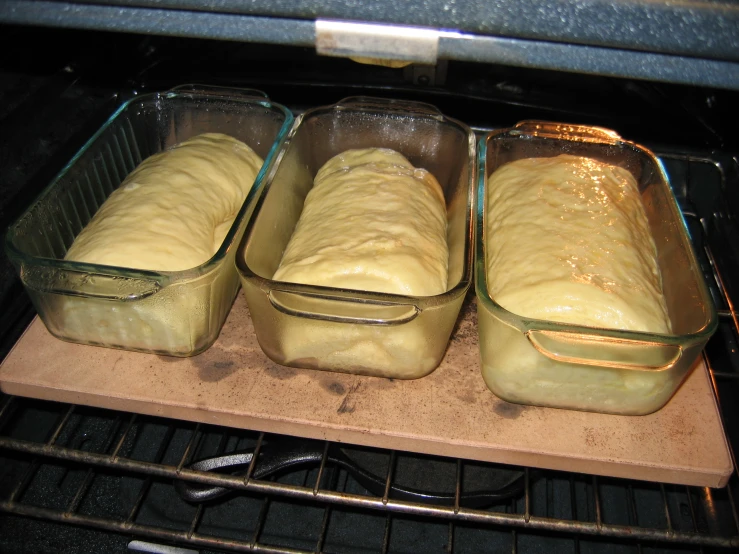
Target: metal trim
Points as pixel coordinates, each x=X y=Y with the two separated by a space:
x=348 y=39
x=535 y=53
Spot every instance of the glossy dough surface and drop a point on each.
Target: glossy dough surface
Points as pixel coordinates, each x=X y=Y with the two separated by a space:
x=568 y=240
x=174 y=210
x=371 y=222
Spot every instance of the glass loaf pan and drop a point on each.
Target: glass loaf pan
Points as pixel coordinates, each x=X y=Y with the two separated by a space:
x=177 y=313
x=583 y=368
x=355 y=331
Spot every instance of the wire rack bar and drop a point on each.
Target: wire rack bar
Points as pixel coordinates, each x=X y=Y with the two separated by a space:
x=9 y=401
x=143 y=491
x=666 y=507
x=260 y=522
x=190 y=448
x=122 y=440
x=722 y=287
x=458 y=486
x=346 y=499
x=389 y=480
x=60 y=426
x=195 y=521
x=253 y=462
x=321 y=468
x=90 y=475
x=148 y=531
x=324 y=528
x=386 y=534
x=25 y=480
x=596 y=502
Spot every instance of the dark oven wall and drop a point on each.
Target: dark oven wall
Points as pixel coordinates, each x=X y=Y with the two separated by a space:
x=58 y=86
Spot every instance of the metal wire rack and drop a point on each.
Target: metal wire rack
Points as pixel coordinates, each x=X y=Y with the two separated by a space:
x=114 y=471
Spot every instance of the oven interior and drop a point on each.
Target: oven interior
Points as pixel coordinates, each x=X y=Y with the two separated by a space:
x=80 y=479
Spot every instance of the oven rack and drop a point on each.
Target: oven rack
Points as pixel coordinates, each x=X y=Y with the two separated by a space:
x=65 y=470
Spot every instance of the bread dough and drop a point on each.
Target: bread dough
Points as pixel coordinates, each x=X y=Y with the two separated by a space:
x=174 y=210
x=371 y=222
x=568 y=240
x=171 y=213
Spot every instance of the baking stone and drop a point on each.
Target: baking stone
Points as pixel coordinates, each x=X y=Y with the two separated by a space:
x=448 y=413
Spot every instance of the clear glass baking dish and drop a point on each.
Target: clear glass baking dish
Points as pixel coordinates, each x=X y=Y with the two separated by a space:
x=559 y=365
x=352 y=331
x=176 y=313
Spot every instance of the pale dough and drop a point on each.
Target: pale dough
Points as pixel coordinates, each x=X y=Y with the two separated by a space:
x=171 y=213
x=568 y=240
x=174 y=210
x=371 y=222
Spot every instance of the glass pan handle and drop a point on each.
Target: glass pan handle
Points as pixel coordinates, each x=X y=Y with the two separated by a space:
x=552 y=129
x=389 y=104
x=342 y=310
x=583 y=349
x=70 y=282
x=213 y=90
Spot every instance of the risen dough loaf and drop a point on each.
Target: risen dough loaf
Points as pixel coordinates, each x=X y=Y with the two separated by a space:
x=174 y=210
x=568 y=240
x=171 y=213
x=371 y=222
